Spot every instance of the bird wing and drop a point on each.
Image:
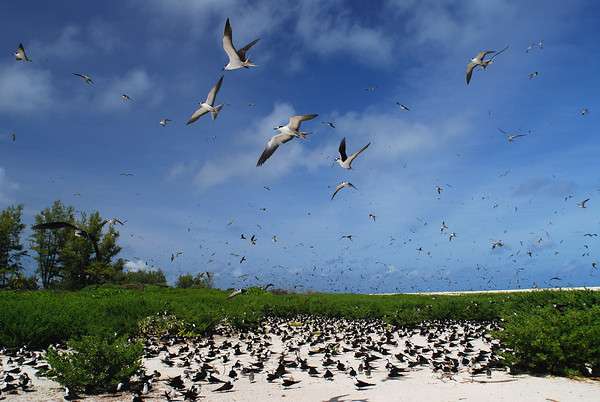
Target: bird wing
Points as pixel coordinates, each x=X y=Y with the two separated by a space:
x=272 y=146
x=337 y=189
x=54 y=225
x=228 y=42
x=470 y=67
x=354 y=155
x=500 y=52
x=484 y=53
x=80 y=75
x=342 y=149
x=210 y=99
x=294 y=123
x=242 y=52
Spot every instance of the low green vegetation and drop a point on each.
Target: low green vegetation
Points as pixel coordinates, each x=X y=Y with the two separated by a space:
x=544 y=331
x=93 y=364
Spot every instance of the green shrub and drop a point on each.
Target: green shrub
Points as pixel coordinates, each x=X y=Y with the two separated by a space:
x=142 y=277
x=93 y=364
x=561 y=341
x=201 y=280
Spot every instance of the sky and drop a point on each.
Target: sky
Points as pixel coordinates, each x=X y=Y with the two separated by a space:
x=195 y=188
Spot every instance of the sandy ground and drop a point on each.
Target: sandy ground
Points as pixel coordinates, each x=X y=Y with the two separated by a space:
x=419 y=384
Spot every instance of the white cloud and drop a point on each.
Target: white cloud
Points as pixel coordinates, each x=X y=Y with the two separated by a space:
x=323 y=28
x=136 y=83
x=328 y=30
x=294 y=154
x=393 y=136
x=7 y=188
x=24 y=88
x=137 y=265
x=68 y=44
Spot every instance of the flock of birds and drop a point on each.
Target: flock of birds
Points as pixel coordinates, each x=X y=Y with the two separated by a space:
x=290 y=354
x=238 y=59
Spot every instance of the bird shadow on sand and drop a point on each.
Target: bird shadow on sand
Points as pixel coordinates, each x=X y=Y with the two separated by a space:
x=339 y=398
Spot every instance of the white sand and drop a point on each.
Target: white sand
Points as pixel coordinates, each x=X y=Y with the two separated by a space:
x=420 y=384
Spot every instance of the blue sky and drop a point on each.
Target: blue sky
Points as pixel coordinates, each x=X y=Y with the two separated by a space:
x=315 y=57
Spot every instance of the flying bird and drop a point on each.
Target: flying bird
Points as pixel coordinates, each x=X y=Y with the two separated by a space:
x=342 y=185
x=235 y=293
x=479 y=61
x=20 y=54
x=371 y=216
x=85 y=77
x=511 y=137
x=62 y=225
x=583 y=203
x=329 y=123
x=237 y=58
x=584 y=111
x=164 y=122
x=344 y=160
x=403 y=107
x=286 y=134
x=533 y=75
x=208 y=104
x=112 y=222
x=126 y=97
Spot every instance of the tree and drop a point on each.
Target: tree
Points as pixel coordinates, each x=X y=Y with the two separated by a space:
x=48 y=244
x=11 y=249
x=201 y=280
x=88 y=260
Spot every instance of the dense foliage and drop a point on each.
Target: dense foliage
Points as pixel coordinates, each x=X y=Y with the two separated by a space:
x=94 y=364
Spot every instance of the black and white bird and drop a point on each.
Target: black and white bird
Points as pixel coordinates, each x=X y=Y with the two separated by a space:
x=344 y=160
x=62 y=225
x=126 y=97
x=286 y=134
x=342 y=185
x=237 y=58
x=479 y=61
x=583 y=204
x=164 y=122
x=112 y=222
x=208 y=104
x=403 y=107
x=85 y=77
x=511 y=137
x=329 y=123
x=20 y=54
x=533 y=75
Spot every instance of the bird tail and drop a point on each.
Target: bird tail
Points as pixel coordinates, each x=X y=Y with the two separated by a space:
x=216 y=111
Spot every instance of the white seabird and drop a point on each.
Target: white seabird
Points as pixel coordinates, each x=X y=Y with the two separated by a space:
x=286 y=133
x=237 y=58
x=342 y=185
x=344 y=160
x=208 y=104
x=85 y=77
x=478 y=61
x=20 y=54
